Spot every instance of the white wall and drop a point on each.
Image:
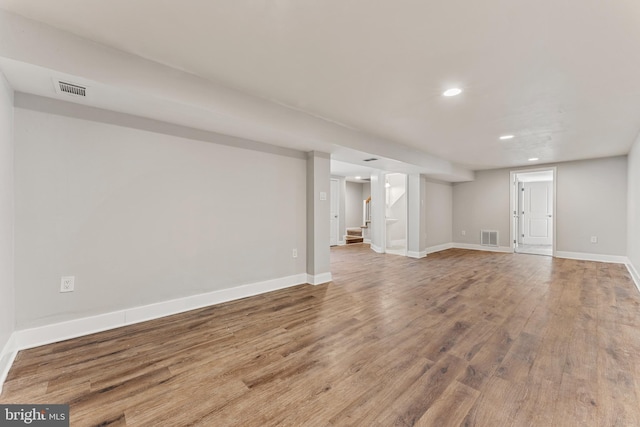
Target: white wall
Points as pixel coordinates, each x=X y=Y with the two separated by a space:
x=482 y=204
x=7 y=299
x=140 y=217
x=633 y=211
x=591 y=201
x=438 y=212
x=353 y=204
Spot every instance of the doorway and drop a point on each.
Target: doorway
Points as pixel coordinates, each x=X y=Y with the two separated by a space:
x=396 y=214
x=533 y=209
x=334 y=223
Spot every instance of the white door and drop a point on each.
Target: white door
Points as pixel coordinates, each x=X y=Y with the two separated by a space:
x=333 y=219
x=537 y=208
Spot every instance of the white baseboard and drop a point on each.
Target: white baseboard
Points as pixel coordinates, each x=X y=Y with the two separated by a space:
x=7 y=356
x=318 y=279
x=377 y=249
x=634 y=274
x=438 y=248
x=47 y=334
x=366 y=241
x=616 y=259
x=418 y=255
x=502 y=249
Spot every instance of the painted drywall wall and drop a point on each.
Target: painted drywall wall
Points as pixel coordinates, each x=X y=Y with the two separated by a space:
x=353 y=204
x=366 y=190
x=7 y=299
x=318 y=209
x=140 y=217
x=438 y=212
x=591 y=201
x=633 y=208
x=482 y=204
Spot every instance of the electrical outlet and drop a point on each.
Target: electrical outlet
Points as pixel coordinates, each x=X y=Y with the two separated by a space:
x=594 y=239
x=295 y=253
x=463 y=232
x=67 y=283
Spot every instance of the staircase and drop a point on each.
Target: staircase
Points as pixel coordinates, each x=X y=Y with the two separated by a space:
x=354 y=235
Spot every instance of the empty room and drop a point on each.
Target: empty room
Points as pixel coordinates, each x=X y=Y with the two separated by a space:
x=263 y=213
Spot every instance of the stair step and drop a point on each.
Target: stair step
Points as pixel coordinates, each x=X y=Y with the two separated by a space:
x=354 y=232
x=353 y=239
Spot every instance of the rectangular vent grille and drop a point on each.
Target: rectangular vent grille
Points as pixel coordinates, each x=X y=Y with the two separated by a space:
x=71 y=89
x=489 y=238
x=372 y=159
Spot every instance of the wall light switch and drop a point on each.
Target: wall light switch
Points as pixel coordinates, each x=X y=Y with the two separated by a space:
x=67 y=284
x=463 y=232
x=323 y=195
x=295 y=253
x=594 y=239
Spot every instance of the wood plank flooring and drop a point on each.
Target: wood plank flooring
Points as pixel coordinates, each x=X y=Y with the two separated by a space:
x=461 y=338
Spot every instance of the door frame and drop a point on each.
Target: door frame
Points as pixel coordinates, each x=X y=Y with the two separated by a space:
x=337 y=199
x=513 y=204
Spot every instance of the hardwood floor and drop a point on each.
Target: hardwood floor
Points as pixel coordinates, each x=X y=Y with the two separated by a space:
x=459 y=338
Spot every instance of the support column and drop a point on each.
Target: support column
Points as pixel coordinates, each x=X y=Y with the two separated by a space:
x=318 y=211
x=416 y=238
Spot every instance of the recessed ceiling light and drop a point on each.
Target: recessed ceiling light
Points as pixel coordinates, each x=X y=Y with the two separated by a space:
x=533 y=159
x=452 y=92
x=358 y=177
x=503 y=137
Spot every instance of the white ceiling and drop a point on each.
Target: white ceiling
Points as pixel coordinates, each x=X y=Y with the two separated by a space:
x=561 y=76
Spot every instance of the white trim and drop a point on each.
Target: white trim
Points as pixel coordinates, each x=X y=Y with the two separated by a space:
x=438 y=248
x=47 y=334
x=341 y=243
x=7 y=356
x=418 y=255
x=616 y=259
x=377 y=249
x=368 y=241
x=513 y=200
x=634 y=274
x=502 y=249
x=318 y=279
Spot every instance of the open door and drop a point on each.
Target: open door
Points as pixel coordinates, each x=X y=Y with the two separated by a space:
x=533 y=208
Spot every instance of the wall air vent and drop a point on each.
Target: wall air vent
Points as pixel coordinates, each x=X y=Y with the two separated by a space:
x=372 y=159
x=489 y=238
x=70 y=89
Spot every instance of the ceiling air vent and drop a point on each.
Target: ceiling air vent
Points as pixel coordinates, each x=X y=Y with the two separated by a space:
x=70 y=89
x=372 y=159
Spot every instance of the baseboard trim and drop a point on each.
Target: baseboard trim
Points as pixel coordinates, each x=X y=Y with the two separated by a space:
x=417 y=255
x=501 y=249
x=377 y=249
x=7 y=356
x=368 y=241
x=438 y=248
x=47 y=334
x=634 y=274
x=583 y=256
x=318 y=279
